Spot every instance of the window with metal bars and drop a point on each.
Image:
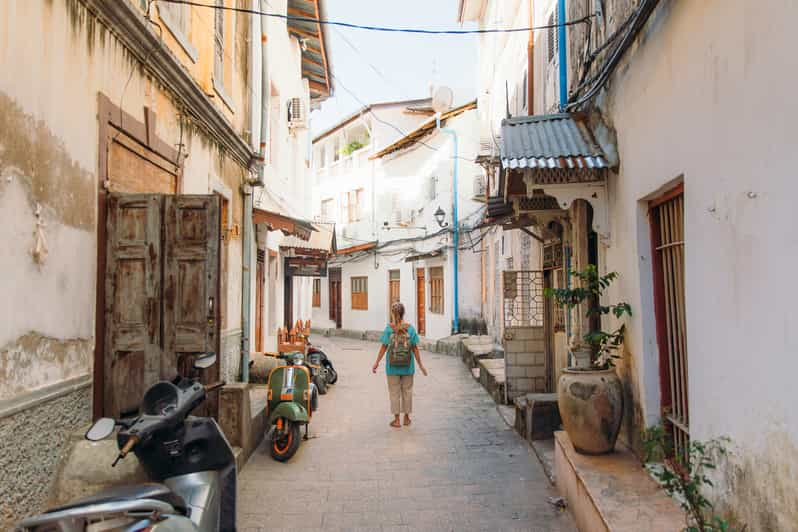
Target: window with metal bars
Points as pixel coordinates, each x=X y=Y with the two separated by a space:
x=667 y=237
x=218 y=33
x=316 y=292
x=393 y=286
x=436 y=290
x=551 y=36
x=360 y=293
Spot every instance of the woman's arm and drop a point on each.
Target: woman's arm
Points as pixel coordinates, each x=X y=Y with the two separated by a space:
x=418 y=360
x=381 y=354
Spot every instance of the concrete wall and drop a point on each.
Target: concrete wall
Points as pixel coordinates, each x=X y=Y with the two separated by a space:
x=687 y=107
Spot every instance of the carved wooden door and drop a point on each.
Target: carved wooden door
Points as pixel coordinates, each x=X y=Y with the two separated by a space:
x=132 y=301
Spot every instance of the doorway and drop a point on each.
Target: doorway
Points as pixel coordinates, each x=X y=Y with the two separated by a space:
x=421 y=299
x=260 y=281
x=335 y=296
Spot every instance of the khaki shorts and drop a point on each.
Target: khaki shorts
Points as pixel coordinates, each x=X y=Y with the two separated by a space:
x=400 y=389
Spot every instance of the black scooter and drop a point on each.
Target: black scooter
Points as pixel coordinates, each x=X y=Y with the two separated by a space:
x=317 y=357
x=188 y=457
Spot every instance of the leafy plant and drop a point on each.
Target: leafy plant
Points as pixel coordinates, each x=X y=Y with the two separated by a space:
x=688 y=474
x=592 y=285
x=351 y=147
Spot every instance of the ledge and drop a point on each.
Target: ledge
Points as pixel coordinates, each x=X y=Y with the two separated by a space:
x=612 y=492
x=32 y=399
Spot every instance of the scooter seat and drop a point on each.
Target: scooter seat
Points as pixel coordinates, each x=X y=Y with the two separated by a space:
x=150 y=490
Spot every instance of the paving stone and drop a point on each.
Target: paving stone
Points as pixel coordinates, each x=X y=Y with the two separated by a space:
x=457 y=467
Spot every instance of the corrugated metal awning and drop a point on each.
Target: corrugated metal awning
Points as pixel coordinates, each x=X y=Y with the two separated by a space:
x=547 y=142
x=426 y=255
x=321 y=241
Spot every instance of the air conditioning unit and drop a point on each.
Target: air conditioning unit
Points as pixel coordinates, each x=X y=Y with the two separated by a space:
x=297 y=114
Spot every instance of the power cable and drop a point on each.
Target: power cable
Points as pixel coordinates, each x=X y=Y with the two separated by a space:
x=387 y=29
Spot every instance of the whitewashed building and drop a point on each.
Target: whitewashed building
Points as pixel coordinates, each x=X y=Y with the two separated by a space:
x=381 y=176
x=689 y=201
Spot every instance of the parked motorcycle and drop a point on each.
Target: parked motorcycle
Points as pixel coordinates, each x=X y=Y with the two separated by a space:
x=292 y=399
x=188 y=457
x=317 y=357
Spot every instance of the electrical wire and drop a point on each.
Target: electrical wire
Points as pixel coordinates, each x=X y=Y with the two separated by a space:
x=387 y=29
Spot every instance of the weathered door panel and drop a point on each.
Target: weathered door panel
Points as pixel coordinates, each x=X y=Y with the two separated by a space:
x=191 y=284
x=335 y=296
x=132 y=300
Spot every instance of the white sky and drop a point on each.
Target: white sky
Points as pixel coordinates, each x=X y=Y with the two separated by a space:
x=407 y=61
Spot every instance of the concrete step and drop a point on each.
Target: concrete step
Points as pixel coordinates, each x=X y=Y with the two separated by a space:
x=492 y=377
x=612 y=492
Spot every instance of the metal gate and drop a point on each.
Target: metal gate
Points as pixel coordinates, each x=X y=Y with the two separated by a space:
x=667 y=227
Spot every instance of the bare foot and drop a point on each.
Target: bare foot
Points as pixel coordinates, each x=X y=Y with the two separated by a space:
x=407 y=419
x=395 y=423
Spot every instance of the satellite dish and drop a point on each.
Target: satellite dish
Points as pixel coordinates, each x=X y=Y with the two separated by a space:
x=442 y=99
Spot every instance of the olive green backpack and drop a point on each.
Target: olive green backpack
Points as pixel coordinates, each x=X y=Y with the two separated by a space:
x=401 y=353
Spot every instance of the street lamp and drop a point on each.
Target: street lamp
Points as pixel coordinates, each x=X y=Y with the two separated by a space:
x=439 y=216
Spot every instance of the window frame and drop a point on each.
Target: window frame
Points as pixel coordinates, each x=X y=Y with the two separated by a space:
x=168 y=13
x=317 y=292
x=437 y=301
x=359 y=298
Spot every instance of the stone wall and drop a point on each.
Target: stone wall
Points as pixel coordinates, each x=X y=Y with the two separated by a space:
x=525 y=361
x=33 y=437
x=230 y=357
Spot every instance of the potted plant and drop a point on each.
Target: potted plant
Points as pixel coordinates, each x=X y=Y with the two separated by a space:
x=590 y=394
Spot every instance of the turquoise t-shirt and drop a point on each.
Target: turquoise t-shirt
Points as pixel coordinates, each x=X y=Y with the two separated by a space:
x=385 y=340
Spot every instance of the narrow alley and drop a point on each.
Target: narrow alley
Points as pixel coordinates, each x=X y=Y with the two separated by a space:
x=457 y=467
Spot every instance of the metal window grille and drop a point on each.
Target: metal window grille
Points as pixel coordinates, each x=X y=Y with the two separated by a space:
x=551 y=36
x=523 y=298
x=668 y=233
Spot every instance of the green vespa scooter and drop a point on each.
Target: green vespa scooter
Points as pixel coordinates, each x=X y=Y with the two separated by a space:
x=292 y=399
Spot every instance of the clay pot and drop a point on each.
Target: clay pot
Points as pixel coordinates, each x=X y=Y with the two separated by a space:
x=591 y=408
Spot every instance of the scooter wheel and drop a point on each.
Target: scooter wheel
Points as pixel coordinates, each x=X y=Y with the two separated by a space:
x=332 y=375
x=285 y=445
x=321 y=384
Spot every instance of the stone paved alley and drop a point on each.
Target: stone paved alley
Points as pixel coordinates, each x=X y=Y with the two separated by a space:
x=457 y=467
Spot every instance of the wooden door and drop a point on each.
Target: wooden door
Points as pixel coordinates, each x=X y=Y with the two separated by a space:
x=335 y=296
x=421 y=297
x=288 y=301
x=132 y=301
x=394 y=293
x=260 y=281
x=191 y=288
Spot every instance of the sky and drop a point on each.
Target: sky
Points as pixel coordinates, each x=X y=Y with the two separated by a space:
x=405 y=64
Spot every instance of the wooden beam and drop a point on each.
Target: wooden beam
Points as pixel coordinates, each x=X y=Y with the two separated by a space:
x=312 y=61
x=530 y=233
x=303 y=33
x=321 y=44
x=315 y=85
x=299 y=13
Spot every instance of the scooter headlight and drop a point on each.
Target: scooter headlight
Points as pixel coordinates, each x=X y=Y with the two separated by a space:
x=298 y=359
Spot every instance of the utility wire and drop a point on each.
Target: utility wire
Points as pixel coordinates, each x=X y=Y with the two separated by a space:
x=387 y=29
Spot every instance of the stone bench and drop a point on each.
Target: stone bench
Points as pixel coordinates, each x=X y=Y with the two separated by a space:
x=537 y=416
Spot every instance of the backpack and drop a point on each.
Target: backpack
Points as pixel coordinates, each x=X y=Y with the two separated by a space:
x=401 y=353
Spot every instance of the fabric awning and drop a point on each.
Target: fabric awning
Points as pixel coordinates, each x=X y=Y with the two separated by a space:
x=321 y=242
x=276 y=221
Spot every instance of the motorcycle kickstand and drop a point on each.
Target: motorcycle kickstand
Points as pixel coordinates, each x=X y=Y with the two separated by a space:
x=306 y=432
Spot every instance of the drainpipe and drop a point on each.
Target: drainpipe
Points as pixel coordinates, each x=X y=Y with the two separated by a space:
x=563 y=46
x=455 y=222
x=530 y=70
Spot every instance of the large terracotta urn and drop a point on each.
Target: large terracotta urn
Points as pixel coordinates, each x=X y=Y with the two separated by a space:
x=591 y=408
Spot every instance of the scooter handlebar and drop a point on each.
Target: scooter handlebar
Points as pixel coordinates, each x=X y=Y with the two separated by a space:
x=213 y=387
x=129 y=444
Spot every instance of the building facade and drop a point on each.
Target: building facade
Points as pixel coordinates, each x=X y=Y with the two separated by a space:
x=127 y=132
x=381 y=176
x=687 y=200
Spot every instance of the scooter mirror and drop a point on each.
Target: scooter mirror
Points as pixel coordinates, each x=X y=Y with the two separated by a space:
x=205 y=362
x=101 y=429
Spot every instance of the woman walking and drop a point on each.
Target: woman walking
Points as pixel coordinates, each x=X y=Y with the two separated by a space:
x=400 y=341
